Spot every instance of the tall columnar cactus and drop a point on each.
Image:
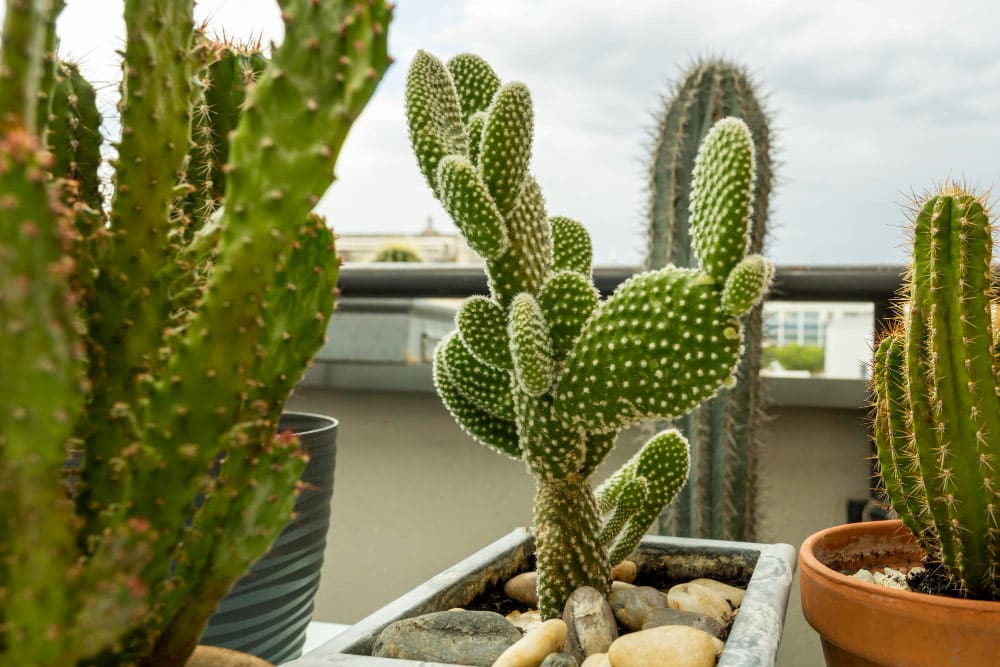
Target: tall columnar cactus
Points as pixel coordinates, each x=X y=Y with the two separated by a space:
x=156 y=335
x=937 y=398
x=545 y=371
x=725 y=431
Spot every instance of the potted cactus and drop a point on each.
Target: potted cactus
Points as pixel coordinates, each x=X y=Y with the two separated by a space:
x=545 y=371
x=937 y=423
x=152 y=333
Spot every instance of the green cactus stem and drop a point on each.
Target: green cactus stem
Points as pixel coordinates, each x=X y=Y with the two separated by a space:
x=574 y=368
x=937 y=412
x=159 y=334
x=725 y=432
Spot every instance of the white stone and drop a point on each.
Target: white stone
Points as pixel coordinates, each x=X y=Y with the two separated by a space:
x=529 y=620
x=732 y=593
x=596 y=660
x=700 y=600
x=533 y=647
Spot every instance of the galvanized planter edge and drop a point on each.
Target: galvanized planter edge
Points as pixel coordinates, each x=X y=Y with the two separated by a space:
x=753 y=641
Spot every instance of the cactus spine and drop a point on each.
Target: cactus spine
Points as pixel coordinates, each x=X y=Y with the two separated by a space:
x=159 y=332
x=937 y=411
x=545 y=371
x=724 y=431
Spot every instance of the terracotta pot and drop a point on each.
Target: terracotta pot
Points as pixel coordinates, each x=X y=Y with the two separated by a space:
x=867 y=625
x=213 y=656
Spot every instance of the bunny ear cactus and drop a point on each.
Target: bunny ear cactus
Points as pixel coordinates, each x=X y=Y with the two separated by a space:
x=545 y=371
x=937 y=411
x=724 y=431
x=158 y=334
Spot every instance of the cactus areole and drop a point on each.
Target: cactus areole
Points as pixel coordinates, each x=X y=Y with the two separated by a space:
x=937 y=399
x=545 y=371
x=159 y=330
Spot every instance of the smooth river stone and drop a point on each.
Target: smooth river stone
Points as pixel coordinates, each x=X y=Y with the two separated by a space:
x=676 y=617
x=596 y=660
x=732 y=593
x=631 y=606
x=527 y=621
x=590 y=623
x=673 y=645
x=534 y=647
x=523 y=588
x=461 y=637
x=624 y=571
x=700 y=600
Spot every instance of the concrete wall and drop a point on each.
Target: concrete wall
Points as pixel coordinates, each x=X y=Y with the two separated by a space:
x=414 y=495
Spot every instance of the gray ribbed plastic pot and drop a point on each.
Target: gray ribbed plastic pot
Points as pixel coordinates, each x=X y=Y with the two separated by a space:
x=764 y=569
x=267 y=611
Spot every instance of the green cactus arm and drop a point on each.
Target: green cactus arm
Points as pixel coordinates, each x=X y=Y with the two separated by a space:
x=230 y=532
x=73 y=135
x=667 y=333
x=721 y=195
x=464 y=195
x=475 y=130
x=551 y=450
x=919 y=387
x=277 y=173
x=663 y=463
x=608 y=492
x=568 y=551
x=963 y=389
x=25 y=64
x=524 y=266
x=746 y=285
x=630 y=500
x=571 y=246
x=41 y=365
x=50 y=65
x=486 y=387
x=433 y=115
x=224 y=82
x=505 y=146
x=530 y=345
x=567 y=300
x=475 y=82
x=893 y=440
x=497 y=434
x=482 y=324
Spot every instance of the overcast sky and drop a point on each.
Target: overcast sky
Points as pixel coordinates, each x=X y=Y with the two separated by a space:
x=869 y=100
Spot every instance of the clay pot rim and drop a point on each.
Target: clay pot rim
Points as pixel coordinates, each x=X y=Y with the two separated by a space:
x=809 y=561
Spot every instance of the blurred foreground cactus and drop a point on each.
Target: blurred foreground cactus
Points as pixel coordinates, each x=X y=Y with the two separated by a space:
x=545 y=371
x=724 y=431
x=157 y=334
x=937 y=398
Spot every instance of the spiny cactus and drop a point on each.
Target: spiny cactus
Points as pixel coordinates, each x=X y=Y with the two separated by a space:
x=725 y=432
x=397 y=252
x=545 y=371
x=937 y=407
x=158 y=334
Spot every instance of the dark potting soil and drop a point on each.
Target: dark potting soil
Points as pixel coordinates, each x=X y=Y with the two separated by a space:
x=934 y=580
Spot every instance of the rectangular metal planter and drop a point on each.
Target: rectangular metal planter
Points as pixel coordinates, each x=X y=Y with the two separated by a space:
x=765 y=569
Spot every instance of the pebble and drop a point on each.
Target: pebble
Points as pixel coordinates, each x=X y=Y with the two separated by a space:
x=731 y=593
x=631 y=606
x=527 y=621
x=464 y=637
x=669 y=616
x=700 y=600
x=621 y=585
x=887 y=577
x=531 y=649
x=624 y=571
x=560 y=660
x=596 y=660
x=674 y=645
x=523 y=588
x=590 y=623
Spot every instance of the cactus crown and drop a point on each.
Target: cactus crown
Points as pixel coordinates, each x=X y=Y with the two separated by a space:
x=937 y=410
x=158 y=334
x=545 y=371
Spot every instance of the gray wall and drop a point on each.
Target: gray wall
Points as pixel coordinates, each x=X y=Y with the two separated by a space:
x=414 y=495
